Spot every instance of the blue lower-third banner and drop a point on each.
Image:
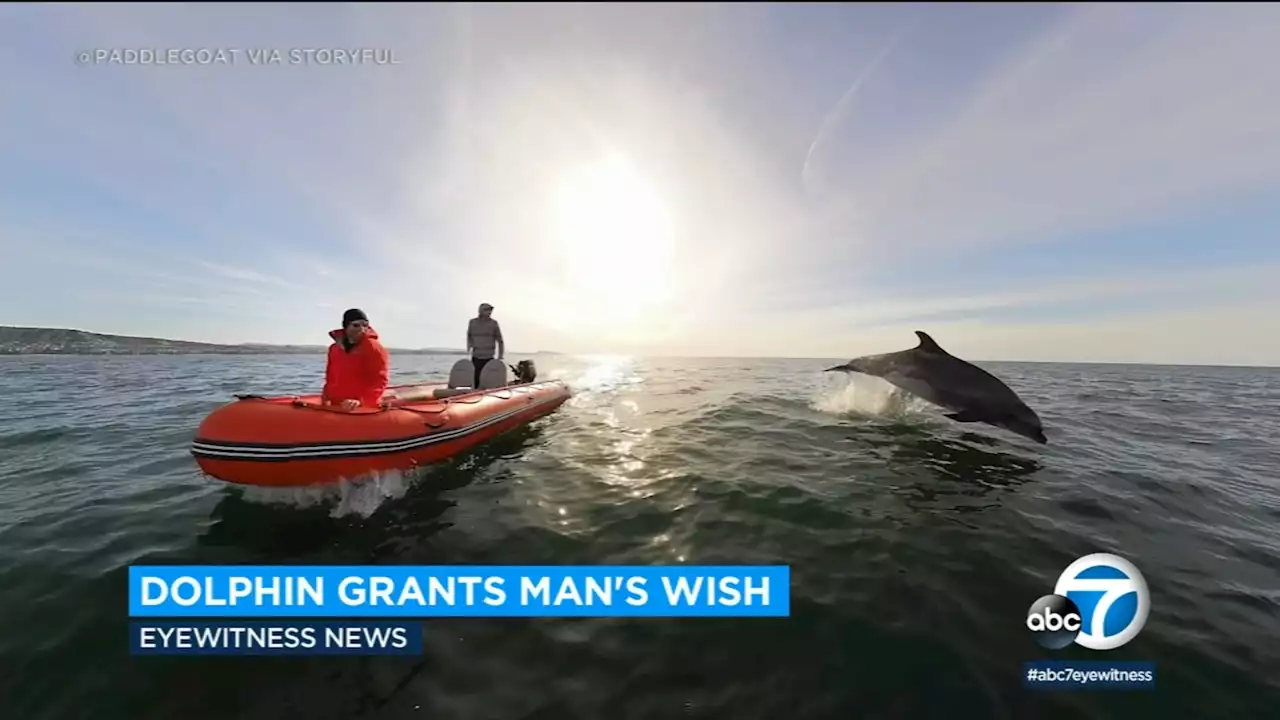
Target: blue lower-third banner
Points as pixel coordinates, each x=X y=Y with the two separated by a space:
x=418 y=591
x=203 y=637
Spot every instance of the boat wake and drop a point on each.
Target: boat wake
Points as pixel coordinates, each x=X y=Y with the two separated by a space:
x=360 y=496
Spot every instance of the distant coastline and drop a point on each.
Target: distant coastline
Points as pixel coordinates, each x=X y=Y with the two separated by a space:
x=62 y=341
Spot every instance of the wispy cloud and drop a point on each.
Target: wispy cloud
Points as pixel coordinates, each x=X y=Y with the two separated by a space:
x=832 y=120
x=1231 y=300
x=1121 y=113
x=246 y=275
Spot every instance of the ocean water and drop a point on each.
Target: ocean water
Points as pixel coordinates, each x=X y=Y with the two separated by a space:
x=916 y=544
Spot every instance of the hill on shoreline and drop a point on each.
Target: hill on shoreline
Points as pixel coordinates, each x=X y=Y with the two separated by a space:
x=61 y=341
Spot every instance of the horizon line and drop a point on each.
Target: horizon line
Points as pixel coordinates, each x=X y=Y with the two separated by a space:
x=614 y=354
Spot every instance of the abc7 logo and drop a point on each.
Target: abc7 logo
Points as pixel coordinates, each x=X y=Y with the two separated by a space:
x=1115 y=597
x=1054 y=621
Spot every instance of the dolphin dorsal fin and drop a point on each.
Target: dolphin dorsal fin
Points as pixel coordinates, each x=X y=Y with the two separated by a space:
x=928 y=345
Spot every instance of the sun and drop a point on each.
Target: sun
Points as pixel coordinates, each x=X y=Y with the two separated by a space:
x=617 y=240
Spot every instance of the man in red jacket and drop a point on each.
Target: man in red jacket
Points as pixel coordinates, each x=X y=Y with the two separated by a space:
x=358 y=365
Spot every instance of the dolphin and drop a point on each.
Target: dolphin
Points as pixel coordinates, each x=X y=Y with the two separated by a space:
x=971 y=393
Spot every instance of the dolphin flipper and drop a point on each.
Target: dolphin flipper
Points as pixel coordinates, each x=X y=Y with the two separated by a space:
x=966 y=416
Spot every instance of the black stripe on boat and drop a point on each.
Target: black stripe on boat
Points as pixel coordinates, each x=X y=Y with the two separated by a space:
x=334 y=451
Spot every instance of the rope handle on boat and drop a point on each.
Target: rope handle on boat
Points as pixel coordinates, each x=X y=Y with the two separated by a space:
x=441 y=422
x=473 y=398
x=300 y=403
x=386 y=406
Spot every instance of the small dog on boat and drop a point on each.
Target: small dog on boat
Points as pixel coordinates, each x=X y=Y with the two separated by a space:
x=525 y=372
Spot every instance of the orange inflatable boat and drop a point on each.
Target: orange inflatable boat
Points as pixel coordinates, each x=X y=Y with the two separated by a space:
x=295 y=441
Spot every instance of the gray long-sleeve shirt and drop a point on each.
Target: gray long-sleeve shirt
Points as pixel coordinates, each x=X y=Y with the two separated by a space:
x=483 y=337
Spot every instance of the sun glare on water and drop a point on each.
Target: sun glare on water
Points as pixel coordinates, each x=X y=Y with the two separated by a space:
x=617 y=238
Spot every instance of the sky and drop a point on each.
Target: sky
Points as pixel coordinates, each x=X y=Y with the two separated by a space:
x=1092 y=182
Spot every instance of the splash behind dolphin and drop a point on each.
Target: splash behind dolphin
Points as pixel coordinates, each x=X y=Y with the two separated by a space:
x=971 y=393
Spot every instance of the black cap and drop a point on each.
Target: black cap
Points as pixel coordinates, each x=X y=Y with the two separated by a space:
x=352 y=315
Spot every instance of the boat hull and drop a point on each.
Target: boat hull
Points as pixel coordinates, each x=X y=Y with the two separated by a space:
x=296 y=442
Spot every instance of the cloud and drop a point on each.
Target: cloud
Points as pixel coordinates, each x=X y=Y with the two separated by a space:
x=1220 y=335
x=831 y=121
x=1221 y=307
x=246 y=275
x=1120 y=113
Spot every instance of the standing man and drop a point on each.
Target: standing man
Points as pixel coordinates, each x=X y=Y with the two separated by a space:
x=483 y=335
x=356 y=374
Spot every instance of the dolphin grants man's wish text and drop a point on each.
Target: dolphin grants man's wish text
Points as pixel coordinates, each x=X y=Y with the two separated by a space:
x=409 y=591
x=450 y=591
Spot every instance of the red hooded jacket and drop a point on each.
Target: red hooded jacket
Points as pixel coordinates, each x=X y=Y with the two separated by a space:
x=360 y=373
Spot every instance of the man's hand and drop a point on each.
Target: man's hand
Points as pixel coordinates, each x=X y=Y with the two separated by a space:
x=349 y=404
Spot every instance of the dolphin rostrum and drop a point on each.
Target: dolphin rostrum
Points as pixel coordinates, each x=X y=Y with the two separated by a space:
x=971 y=393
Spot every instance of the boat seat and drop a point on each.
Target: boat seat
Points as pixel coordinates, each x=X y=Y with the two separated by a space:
x=493 y=375
x=462 y=374
x=442 y=393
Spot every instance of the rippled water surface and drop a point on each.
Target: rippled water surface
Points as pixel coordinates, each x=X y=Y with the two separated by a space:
x=916 y=544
